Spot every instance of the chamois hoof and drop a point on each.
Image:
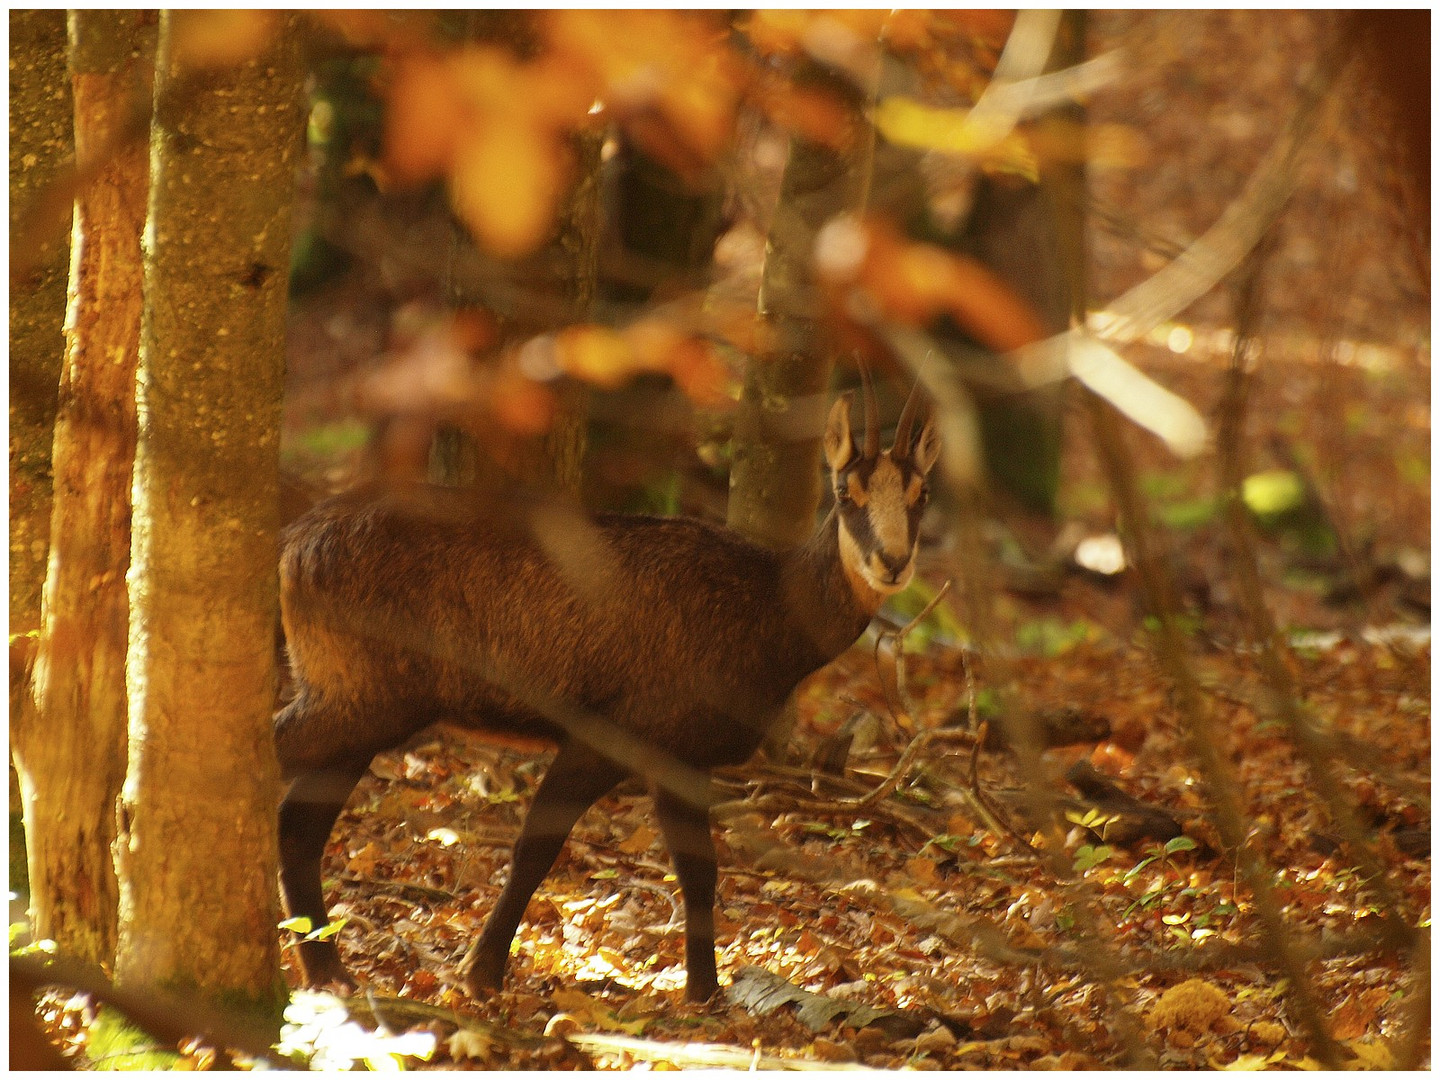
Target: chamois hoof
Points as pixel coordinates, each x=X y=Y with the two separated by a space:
x=701 y=992
x=481 y=987
x=481 y=979
x=342 y=985
x=325 y=971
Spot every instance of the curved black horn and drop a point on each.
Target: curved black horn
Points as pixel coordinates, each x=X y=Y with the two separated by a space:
x=912 y=408
x=872 y=414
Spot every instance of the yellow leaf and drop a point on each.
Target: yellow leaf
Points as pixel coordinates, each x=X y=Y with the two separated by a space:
x=1370 y=1055
x=595 y=354
x=505 y=182
x=1244 y=1063
x=906 y=122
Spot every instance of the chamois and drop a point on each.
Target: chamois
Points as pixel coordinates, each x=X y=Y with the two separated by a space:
x=657 y=647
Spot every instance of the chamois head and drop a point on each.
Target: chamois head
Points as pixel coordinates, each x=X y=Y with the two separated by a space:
x=879 y=497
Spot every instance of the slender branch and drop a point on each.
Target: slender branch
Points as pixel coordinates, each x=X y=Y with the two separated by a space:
x=1198 y=724
x=898 y=636
x=1284 y=699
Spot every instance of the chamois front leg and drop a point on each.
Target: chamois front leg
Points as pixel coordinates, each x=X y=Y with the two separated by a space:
x=577 y=777
x=692 y=850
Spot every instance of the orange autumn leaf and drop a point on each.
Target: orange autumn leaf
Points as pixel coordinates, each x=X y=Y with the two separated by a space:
x=495 y=127
x=556 y=93
x=422 y=121
x=909 y=30
x=473 y=330
x=778 y=31
x=505 y=183
x=788 y=32
x=608 y=358
x=522 y=405
x=915 y=283
x=653 y=341
x=701 y=374
x=813 y=114
x=595 y=354
x=667 y=77
x=691 y=361
x=986 y=27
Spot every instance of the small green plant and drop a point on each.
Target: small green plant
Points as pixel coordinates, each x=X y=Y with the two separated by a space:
x=954 y=842
x=1089 y=856
x=1172 y=847
x=1050 y=637
x=1188 y=514
x=940 y=626
x=837 y=832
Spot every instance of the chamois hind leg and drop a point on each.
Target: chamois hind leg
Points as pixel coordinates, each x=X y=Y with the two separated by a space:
x=307 y=814
x=692 y=850
x=325 y=749
x=576 y=778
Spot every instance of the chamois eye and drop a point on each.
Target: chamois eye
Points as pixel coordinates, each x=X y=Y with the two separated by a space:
x=922 y=499
x=843 y=497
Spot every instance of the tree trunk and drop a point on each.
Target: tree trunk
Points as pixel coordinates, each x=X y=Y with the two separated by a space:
x=559 y=285
x=70 y=747
x=660 y=231
x=775 y=481
x=775 y=475
x=40 y=149
x=196 y=854
x=1030 y=235
x=551 y=289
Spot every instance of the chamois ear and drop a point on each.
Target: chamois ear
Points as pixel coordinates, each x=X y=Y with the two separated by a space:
x=839 y=442
x=927 y=446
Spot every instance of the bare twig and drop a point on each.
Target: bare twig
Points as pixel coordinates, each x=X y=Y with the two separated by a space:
x=1198 y=724
x=1284 y=700
x=898 y=636
x=160 y=1014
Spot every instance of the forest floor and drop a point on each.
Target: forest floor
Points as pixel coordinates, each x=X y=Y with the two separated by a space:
x=935 y=929
x=921 y=930
x=915 y=931
x=912 y=931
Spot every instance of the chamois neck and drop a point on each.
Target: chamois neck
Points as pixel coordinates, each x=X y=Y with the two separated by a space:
x=830 y=606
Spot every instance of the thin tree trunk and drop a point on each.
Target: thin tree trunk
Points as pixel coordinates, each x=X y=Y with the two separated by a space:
x=40 y=150
x=71 y=746
x=660 y=231
x=196 y=852
x=559 y=284
x=775 y=481
x=775 y=476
